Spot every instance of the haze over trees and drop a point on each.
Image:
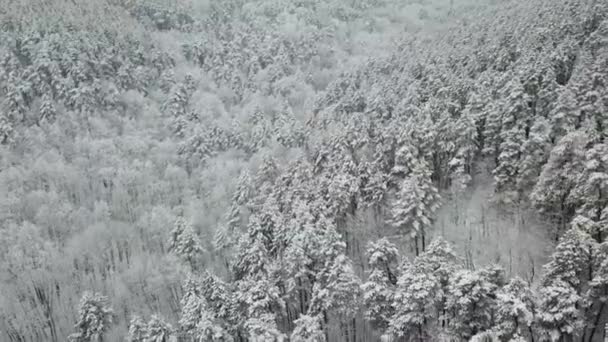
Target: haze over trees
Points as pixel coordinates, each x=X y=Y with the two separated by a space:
x=277 y=170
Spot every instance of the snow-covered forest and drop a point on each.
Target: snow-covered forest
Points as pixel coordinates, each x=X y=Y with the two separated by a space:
x=303 y=170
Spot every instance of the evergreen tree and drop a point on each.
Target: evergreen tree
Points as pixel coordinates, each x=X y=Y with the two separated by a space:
x=565 y=117
x=513 y=134
x=571 y=261
x=412 y=210
x=558 y=315
x=47 y=109
x=516 y=308
x=415 y=305
x=158 y=330
x=552 y=194
x=137 y=330
x=379 y=289
x=472 y=300
x=308 y=329
x=185 y=243
x=95 y=317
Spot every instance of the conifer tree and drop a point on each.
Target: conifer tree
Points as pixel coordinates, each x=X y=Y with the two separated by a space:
x=95 y=318
x=308 y=329
x=137 y=330
x=185 y=243
x=413 y=208
x=158 y=330
x=515 y=314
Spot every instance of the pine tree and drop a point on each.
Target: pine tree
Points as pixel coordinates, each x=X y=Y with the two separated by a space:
x=308 y=329
x=513 y=134
x=558 y=315
x=379 y=289
x=158 y=330
x=374 y=185
x=137 y=330
x=515 y=312
x=570 y=261
x=552 y=193
x=472 y=300
x=565 y=117
x=415 y=304
x=535 y=152
x=198 y=318
x=185 y=243
x=413 y=209
x=6 y=129
x=560 y=310
x=177 y=108
x=592 y=191
x=47 y=109
x=461 y=164
x=337 y=288
x=95 y=317
x=596 y=296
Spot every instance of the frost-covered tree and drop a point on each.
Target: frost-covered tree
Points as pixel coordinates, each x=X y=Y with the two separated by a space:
x=379 y=289
x=592 y=190
x=137 y=330
x=553 y=193
x=185 y=243
x=178 y=109
x=514 y=132
x=472 y=300
x=535 y=152
x=515 y=310
x=411 y=212
x=95 y=318
x=565 y=117
x=571 y=261
x=158 y=330
x=308 y=329
x=558 y=315
x=48 y=111
x=338 y=288
x=208 y=310
x=415 y=304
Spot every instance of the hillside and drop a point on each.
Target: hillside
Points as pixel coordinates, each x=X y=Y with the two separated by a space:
x=431 y=170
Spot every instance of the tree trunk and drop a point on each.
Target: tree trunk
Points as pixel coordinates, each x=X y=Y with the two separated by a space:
x=597 y=321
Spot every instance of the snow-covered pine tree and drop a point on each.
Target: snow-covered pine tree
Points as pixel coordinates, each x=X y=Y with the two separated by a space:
x=185 y=243
x=516 y=308
x=95 y=318
x=565 y=117
x=513 y=134
x=379 y=289
x=559 y=317
x=137 y=330
x=308 y=329
x=197 y=319
x=158 y=329
x=571 y=261
x=552 y=194
x=177 y=109
x=472 y=300
x=411 y=212
x=535 y=152
x=47 y=109
x=592 y=192
x=415 y=305
x=596 y=296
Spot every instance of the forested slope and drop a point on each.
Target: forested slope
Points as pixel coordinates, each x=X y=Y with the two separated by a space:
x=260 y=170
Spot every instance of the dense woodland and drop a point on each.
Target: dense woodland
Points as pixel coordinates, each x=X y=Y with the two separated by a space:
x=272 y=170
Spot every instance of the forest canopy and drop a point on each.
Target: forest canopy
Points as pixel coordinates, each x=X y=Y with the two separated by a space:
x=272 y=170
